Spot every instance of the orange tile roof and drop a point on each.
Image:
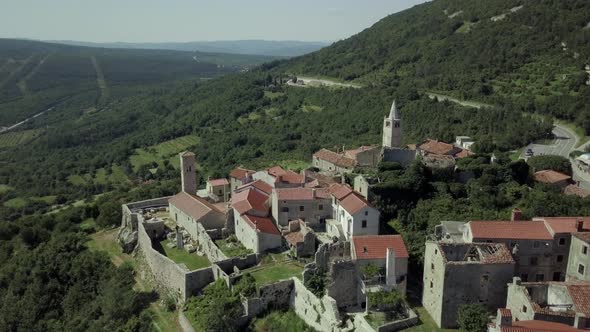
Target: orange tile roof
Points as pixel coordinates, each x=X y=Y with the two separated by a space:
x=218 y=182
x=504 y=312
x=551 y=176
x=354 y=152
x=261 y=224
x=276 y=171
x=258 y=184
x=573 y=190
x=335 y=158
x=340 y=190
x=300 y=194
x=464 y=153
x=241 y=173
x=375 y=246
x=354 y=203
x=435 y=147
x=291 y=177
x=194 y=206
x=580 y=294
x=538 y=326
x=248 y=200
x=565 y=224
x=517 y=230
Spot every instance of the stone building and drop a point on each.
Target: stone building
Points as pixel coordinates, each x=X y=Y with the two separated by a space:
x=239 y=177
x=561 y=302
x=353 y=214
x=363 y=184
x=333 y=162
x=392 y=128
x=218 y=190
x=389 y=254
x=277 y=177
x=464 y=273
x=579 y=258
x=464 y=142
x=365 y=156
x=188 y=173
x=300 y=238
x=437 y=148
x=553 y=178
x=308 y=204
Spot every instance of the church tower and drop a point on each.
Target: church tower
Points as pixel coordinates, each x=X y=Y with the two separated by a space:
x=188 y=173
x=392 y=129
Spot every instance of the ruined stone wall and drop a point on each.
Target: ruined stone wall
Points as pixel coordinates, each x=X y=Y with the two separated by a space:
x=206 y=245
x=329 y=252
x=344 y=284
x=321 y=314
x=129 y=218
x=241 y=263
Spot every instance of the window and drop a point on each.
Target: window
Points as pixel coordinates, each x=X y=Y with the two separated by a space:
x=366 y=213
x=176 y=216
x=431 y=284
x=581 y=269
x=524 y=308
x=435 y=251
x=432 y=266
x=561 y=241
x=585 y=250
x=485 y=277
x=559 y=258
x=556 y=276
x=320 y=207
x=536 y=244
x=534 y=260
x=524 y=277
x=284 y=209
x=396 y=124
x=539 y=277
x=301 y=208
x=387 y=124
x=364 y=224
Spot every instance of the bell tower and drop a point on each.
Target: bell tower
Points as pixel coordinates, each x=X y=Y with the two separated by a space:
x=188 y=173
x=392 y=129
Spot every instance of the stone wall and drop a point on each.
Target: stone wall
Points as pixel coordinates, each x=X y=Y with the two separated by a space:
x=329 y=252
x=400 y=324
x=129 y=220
x=207 y=246
x=344 y=286
x=321 y=314
x=240 y=263
x=175 y=279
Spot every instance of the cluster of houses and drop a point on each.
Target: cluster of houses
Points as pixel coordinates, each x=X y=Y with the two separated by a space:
x=534 y=273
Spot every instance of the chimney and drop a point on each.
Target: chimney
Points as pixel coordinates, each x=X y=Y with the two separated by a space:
x=580 y=225
x=516 y=215
x=390 y=278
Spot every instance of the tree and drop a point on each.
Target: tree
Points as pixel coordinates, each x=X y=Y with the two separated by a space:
x=472 y=318
x=216 y=310
x=556 y=163
x=109 y=214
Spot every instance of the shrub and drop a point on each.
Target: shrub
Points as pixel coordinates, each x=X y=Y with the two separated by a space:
x=473 y=318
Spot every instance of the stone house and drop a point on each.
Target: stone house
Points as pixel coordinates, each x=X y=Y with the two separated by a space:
x=300 y=238
x=253 y=226
x=578 y=264
x=464 y=273
x=218 y=189
x=559 y=302
x=363 y=184
x=239 y=177
x=504 y=323
x=464 y=142
x=308 y=204
x=277 y=177
x=365 y=156
x=353 y=214
x=434 y=147
x=553 y=178
x=188 y=210
x=388 y=253
x=332 y=162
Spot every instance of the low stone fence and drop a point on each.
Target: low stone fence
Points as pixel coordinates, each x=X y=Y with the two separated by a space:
x=400 y=324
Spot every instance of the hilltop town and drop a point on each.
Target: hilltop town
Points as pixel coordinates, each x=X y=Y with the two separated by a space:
x=312 y=242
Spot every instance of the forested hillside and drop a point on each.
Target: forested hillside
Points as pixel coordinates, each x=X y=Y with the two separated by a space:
x=36 y=75
x=528 y=54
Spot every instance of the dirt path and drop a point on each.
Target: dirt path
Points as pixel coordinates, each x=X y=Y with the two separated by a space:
x=100 y=80
x=465 y=103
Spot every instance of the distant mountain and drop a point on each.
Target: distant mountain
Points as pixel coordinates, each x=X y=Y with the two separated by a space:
x=251 y=47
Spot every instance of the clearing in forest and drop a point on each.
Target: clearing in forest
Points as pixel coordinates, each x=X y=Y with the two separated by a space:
x=102 y=83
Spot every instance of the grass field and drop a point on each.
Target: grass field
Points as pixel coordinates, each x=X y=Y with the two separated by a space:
x=192 y=261
x=293 y=164
x=16 y=203
x=275 y=267
x=15 y=138
x=273 y=95
x=50 y=200
x=426 y=323
x=232 y=248
x=116 y=176
x=311 y=108
x=163 y=151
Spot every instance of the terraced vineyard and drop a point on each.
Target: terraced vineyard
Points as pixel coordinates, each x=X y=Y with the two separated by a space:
x=15 y=138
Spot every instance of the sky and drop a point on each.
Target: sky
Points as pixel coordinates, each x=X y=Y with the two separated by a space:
x=191 y=20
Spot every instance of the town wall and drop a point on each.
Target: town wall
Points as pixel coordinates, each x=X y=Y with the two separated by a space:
x=344 y=286
x=206 y=245
x=130 y=210
x=321 y=314
x=329 y=252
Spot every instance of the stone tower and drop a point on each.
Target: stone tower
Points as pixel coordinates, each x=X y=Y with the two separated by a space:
x=392 y=129
x=188 y=173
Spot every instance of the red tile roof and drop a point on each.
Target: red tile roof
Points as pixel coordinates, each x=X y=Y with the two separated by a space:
x=353 y=153
x=340 y=191
x=218 y=182
x=463 y=154
x=504 y=312
x=300 y=194
x=435 y=147
x=248 y=200
x=375 y=246
x=583 y=236
x=580 y=297
x=565 y=224
x=354 y=203
x=194 y=206
x=517 y=230
x=294 y=237
x=538 y=326
x=551 y=176
x=291 y=177
x=276 y=171
x=335 y=158
x=261 y=224
x=241 y=173
x=258 y=184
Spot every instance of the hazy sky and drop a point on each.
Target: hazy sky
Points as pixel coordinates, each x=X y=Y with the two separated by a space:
x=191 y=20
